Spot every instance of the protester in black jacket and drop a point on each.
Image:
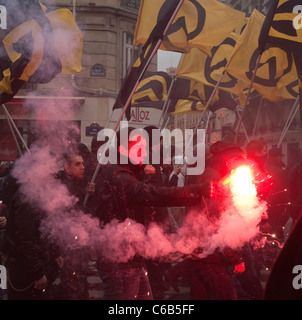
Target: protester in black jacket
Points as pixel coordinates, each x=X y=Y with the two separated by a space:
x=74 y=285
x=32 y=261
x=73 y=176
x=121 y=196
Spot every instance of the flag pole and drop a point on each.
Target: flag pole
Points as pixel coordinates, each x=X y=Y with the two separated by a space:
x=257 y=117
x=247 y=98
x=208 y=102
x=208 y=120
x=166 y=104
x=121 y=118
x=15 y=127
x=290 y=118
x=131 y=95
x=165 y=126
x=131 y=63
x=13 y=133
x=244 y=129
x=206 y=108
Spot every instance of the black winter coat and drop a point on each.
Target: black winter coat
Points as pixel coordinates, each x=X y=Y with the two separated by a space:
x=29 y=255
x=75 y=186
x=122 y=194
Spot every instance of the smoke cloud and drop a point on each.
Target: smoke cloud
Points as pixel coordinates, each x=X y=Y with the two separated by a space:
x=71 y=228
x=119 y=241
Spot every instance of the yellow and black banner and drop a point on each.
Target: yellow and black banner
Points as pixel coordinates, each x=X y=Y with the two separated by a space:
x=191 y=90
x=152 y=91
x=283 y=24
x=191 y=96
x=276 y=72
x=36 y=45
x=138 y=69
x=199 y=24
x=183 y=106
x=199 y=67
x=25 y=53
x=283 y=28
x=68 y=40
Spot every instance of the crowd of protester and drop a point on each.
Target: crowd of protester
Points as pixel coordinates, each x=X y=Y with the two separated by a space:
x=160 y=194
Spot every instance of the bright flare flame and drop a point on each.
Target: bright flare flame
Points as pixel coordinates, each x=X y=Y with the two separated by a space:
x=244 y=191
x=242 y=182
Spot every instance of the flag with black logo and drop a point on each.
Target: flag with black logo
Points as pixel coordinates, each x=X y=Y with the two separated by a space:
x=199 y=24
x=283 y=28
x=191 y=96
x=283 y=24
x=152 y=90
x=29 y=46
x=139 y=68
x=199 y=67
x=191 y=90
x=276 y=68
x=184 y=106
x=24 y=54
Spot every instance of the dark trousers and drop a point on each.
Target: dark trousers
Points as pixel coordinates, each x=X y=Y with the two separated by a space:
x=122 y=281
x=74 y=285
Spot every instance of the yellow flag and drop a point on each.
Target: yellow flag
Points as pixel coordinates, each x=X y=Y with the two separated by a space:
x=192 y=90
x=152 y=90
x=5 y=83
x=287 y=21
x=191 y=96
x=68 y=40
x=188 y=106
x=199 y=67
x=9 y=41
x=283 y=28
x=276 y=68
x=199 y=24
x=289 y=85
x=37 y=45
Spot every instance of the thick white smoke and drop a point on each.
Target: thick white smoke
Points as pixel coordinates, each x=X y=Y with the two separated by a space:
x=241 y=213
x=36 y=174
x=70 y=227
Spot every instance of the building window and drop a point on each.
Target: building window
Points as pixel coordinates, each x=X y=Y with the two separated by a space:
x=128 y=57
